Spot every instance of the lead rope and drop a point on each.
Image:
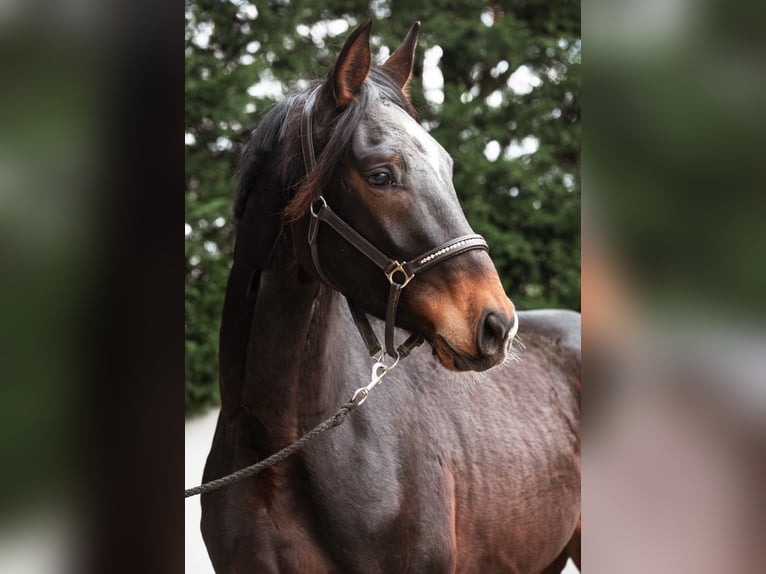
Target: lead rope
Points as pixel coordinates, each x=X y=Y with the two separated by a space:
x=379 y=370
x=333 y=421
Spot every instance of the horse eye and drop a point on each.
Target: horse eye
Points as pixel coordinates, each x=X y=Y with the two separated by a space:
x=380 y=179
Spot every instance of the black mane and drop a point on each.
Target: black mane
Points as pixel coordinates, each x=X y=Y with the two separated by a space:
x=260 y=148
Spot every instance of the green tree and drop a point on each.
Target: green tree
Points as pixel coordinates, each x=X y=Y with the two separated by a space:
x=506 y=105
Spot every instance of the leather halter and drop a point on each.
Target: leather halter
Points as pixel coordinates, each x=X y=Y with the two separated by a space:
x=399 y=274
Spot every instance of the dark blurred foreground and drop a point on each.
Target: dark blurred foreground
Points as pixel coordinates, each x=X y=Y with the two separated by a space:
x=91 y=295
x=91 y=410
x=674 y=279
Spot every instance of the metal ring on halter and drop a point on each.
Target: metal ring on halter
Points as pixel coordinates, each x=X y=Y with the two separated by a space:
x=378 y=358
x=399 y=268
x=392 y=365
x=318 y=200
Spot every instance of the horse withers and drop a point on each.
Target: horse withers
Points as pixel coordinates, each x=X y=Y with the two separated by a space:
x=463 y=460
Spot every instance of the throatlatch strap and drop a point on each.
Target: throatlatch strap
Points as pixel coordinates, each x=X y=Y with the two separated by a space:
x=365 y=329
x=393 y=303
x=313 y=233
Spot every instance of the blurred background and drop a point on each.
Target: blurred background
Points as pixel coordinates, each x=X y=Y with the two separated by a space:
x=674 y=400
x=496 y=83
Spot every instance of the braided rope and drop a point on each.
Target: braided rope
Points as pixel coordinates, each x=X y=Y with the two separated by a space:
x=333 y=421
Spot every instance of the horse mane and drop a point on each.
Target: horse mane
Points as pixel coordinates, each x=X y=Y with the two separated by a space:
x=281 y=125
x=259 y=150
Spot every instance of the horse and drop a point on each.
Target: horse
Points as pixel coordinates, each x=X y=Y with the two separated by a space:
x=464 y=459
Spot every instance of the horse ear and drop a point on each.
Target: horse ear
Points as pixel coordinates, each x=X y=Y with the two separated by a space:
x=399 y=65
x=352 y=66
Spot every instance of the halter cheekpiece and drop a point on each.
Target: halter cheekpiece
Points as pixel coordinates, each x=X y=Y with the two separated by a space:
x=399 y=274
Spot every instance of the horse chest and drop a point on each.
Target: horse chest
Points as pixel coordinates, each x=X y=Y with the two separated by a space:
x=321 y=524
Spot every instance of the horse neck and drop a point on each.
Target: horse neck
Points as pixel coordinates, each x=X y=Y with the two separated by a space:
x=286 y=378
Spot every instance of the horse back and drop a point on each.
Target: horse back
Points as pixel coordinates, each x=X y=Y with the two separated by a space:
x=560 y=326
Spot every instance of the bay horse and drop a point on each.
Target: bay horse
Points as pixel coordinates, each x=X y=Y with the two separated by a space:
x=463 y=460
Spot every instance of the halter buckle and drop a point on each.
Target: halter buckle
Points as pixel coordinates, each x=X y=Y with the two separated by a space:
x=399 y=268
x=319 y=200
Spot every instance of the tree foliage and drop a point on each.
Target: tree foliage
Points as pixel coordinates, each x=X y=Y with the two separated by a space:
x=507 y=109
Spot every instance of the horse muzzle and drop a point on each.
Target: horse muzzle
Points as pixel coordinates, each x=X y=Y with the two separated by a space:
x=494 y=337
x=471 y=322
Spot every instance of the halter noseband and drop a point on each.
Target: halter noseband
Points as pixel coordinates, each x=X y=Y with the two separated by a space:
x=399 y=274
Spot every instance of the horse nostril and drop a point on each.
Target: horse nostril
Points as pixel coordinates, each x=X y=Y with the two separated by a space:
x=492 y=332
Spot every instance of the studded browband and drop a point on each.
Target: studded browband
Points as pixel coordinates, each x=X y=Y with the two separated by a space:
x=399 y=274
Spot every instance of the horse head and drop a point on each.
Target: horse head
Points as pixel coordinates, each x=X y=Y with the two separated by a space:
x=388 y=179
